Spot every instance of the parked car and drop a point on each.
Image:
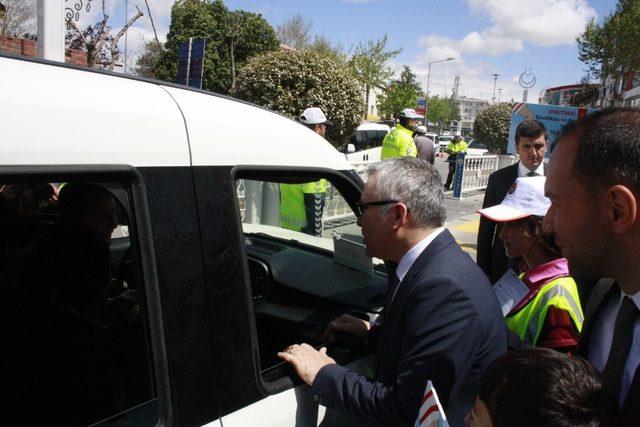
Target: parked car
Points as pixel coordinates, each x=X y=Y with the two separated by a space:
x=476 y=148
x=443 y=141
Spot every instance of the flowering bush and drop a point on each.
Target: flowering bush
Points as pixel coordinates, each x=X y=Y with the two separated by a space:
x=290 y=81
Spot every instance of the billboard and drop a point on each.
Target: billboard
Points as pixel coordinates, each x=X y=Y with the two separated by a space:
x=553 y=117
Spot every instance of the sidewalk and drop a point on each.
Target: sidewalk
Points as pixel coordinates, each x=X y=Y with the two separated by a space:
x=463 y=221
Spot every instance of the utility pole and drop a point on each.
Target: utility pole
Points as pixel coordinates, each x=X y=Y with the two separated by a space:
x=426 y=107
x=456 y=87
x=126 y=19
x=495 y=80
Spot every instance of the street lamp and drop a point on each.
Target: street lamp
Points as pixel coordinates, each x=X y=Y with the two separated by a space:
x=426 y=104
x=495 y=79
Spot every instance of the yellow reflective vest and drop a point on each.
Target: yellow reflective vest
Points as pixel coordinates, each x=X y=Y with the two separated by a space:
x=460 y=147
x=561 y=293
x=399 y=143
x=292 y=210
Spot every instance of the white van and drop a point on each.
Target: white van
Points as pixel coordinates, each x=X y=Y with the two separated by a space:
x=220 y=287
x=368 y=142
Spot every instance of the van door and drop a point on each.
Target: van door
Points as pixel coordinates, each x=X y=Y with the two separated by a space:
x=274 y=285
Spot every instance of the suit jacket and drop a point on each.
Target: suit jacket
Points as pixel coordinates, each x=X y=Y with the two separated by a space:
x=444 y=325
x=491 y=256
x=602 y=293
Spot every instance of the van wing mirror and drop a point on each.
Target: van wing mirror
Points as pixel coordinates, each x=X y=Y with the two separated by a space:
x=351 y=148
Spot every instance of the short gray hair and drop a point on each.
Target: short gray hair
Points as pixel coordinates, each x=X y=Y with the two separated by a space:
x=415 y=183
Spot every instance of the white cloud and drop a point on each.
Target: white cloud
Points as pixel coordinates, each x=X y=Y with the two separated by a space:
x=516 y=22
x=513 y=23
x=541 y=22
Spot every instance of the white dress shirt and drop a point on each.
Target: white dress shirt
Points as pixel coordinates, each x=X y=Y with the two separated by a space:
x=602 y=336
x=524 y=171
x=412 y=255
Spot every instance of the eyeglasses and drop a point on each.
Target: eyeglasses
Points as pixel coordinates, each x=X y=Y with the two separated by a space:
x=361 y=207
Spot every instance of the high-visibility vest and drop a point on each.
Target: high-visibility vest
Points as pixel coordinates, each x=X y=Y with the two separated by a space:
x=460 y=147
x=398 y=143
x=292 y=211
x=561 y=293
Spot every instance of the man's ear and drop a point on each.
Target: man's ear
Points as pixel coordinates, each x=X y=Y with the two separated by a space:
x=621 y=208
x=400 y=215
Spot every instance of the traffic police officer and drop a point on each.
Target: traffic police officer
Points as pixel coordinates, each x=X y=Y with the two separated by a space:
x=455 y=147
x=301 y=205
x=399 y=142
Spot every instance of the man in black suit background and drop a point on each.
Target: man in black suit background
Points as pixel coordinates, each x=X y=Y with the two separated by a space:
x=531 y=146
x=442 y=320
x=594 y=187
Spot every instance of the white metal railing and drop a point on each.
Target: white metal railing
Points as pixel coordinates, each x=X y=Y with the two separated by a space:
x=475 y=175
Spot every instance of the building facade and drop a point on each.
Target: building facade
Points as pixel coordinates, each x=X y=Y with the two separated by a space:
x=372 y=102
x=560 y=95
x=468 y=108
x=622 y=89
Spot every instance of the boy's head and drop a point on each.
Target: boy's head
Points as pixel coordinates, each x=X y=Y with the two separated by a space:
x=541 y=387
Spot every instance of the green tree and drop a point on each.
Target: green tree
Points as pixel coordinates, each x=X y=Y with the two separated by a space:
x=613 y=44
x=369 y=64
x=243 y=33
x=587 y=95
x=442 y=111
x=325 y=47
x=492 y=127
x=402 y=93
x=289 y=82
x=148 y=59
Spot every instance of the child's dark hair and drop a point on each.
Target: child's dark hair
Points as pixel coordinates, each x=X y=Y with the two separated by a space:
x=540 y=387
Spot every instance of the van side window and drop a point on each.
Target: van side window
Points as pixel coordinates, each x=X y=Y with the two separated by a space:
x=290 y=227
x=73 y=315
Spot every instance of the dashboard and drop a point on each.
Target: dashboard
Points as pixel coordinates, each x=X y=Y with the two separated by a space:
x=297 y=290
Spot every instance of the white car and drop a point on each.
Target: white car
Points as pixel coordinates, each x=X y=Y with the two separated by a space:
x=476 y=148
x=443 y=141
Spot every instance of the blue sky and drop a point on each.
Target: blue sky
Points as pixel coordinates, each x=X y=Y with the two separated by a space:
x=485 y=36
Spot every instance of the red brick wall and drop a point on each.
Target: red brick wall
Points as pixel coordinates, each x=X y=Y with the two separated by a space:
x=30 y=48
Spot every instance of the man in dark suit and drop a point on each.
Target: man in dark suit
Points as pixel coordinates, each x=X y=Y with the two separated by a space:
x=594 y=187
x=531 y=146
x=442 y=320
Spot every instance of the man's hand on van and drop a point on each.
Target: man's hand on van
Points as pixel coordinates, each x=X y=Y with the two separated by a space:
x=347 y=324
x=306 y=360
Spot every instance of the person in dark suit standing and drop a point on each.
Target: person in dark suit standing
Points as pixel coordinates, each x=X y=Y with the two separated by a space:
x=594 y=187
x=442 y=320
x=531 y=146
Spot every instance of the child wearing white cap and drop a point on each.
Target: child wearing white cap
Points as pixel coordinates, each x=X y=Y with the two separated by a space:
x=547 y=312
